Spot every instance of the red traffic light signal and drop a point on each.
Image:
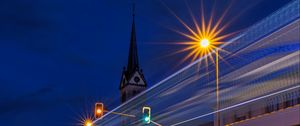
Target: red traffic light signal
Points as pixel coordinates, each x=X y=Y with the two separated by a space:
x=99 y=110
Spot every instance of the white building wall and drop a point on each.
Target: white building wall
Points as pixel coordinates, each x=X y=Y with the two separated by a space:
x=286 y=117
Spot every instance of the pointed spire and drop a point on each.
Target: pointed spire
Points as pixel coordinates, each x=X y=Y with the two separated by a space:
x=133 y=10
x=133 y=63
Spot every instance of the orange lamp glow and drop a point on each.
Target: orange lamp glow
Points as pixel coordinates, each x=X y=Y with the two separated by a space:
x=204 y=43
x=88 y=123
x=99 y=111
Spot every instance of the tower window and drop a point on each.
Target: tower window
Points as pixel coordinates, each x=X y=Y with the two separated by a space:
x=137 y=79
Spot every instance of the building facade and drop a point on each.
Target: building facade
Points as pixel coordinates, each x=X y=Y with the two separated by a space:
x=279 y=110
x=280 y=72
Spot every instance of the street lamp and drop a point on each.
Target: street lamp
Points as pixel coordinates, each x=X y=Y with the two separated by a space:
x=205 y=43
x=204 y=39
x=88 y=123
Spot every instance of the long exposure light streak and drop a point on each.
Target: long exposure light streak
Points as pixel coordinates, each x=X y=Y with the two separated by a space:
x=166 y=79
x=122 y=114
x=237 y=105
x=156 y=123
x=256 y=40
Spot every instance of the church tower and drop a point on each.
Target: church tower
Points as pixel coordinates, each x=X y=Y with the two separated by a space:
x=132 y=80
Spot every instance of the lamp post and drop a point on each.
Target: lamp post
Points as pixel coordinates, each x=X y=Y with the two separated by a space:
x=217 y=86
x=205 y=43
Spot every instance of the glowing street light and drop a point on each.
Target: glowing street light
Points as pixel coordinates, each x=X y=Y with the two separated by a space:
x=204 y=40
x=204 y=43
x=88 y=123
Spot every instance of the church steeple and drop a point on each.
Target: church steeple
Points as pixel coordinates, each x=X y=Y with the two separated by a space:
x=132 y=80
x=133 y=61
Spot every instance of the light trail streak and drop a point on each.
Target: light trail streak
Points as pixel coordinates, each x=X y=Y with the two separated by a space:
x=122 y=114
x=162 y=82
x=156 y=123
x=166 y=79
x=237 y=105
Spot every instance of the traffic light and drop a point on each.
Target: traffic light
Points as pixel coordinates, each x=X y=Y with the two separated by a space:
x=99 y=110
x=147 y=115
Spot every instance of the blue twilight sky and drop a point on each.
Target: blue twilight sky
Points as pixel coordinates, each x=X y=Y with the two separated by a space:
x=60 y=56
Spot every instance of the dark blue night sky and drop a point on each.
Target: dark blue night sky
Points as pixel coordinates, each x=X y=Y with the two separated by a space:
x=60 y=56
